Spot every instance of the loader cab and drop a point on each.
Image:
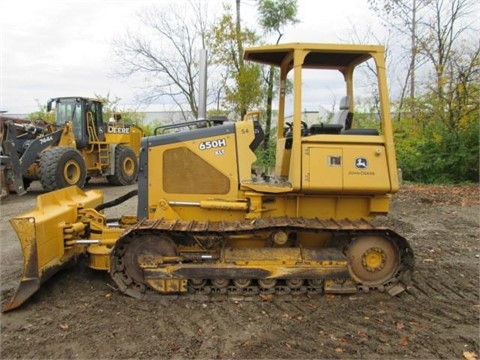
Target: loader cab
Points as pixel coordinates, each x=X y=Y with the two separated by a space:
x=85 y=115
x=334 y=154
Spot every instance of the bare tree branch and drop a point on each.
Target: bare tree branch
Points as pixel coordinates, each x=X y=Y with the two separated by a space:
x=165 y=50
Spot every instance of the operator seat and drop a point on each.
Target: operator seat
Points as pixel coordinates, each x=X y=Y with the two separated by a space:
x=344 y=116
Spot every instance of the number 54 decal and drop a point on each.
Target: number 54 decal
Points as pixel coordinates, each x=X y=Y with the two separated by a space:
x=213 y=144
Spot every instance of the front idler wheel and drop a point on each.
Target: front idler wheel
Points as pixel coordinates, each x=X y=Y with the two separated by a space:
x=128 y=254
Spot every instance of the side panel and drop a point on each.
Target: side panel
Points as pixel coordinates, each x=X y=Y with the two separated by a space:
x=345 y=169
x=124 y=134
x=180 y=170
x=322 y=168
x=365 y=169
x=185 y=171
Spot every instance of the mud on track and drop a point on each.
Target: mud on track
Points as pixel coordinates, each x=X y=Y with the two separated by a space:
x=79 y=314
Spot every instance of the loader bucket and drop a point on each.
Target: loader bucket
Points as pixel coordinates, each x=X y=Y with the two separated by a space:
x=42 y=238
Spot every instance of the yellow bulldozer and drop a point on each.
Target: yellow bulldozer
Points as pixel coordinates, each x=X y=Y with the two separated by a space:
x=77 y=146
x=206 y=225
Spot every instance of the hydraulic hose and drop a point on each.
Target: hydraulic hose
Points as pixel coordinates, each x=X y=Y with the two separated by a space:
x=117 y=201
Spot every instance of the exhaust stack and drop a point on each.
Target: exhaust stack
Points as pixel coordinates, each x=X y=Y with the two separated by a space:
x=202 y=94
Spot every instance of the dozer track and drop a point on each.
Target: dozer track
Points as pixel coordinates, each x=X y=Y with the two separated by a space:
x=148 y=260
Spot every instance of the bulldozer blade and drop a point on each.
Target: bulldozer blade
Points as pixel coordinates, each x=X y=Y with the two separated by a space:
x=41 y=235
x=30 y=281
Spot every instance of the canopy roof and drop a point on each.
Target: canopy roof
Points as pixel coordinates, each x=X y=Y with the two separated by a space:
x=331 y=56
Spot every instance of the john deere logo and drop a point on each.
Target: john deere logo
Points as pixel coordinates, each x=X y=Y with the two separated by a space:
x=361 y=163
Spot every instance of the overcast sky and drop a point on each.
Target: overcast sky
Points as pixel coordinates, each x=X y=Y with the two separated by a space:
x=63 y=48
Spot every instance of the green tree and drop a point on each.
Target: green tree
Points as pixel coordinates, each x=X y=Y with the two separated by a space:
x=437 y=133
x=42 y=114
x=149 y=129
x=111 y=107
x=441 y=143
x=274 y=15
x=242 y=81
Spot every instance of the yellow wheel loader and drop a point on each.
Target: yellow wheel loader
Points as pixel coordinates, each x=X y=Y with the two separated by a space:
x=206 y=226
x=77 y=146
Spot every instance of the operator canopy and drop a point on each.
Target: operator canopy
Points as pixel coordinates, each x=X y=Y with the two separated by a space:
x=319 y=56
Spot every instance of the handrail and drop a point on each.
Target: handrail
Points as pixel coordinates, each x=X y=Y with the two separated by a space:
x=178 y=125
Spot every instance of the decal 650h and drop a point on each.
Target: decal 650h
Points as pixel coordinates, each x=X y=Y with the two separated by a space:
x=213 y=144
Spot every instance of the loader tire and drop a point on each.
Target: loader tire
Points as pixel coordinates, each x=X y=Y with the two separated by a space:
x=61 y=167
x=126 y=166
x=26 y=183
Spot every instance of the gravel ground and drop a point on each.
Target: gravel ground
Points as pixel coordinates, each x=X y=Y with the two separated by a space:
x=79 y=314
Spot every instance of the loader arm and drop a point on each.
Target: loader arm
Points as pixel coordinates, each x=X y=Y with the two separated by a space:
x=15 y=165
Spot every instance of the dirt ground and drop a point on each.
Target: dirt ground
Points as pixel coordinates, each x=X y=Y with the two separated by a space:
x=78 y=314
